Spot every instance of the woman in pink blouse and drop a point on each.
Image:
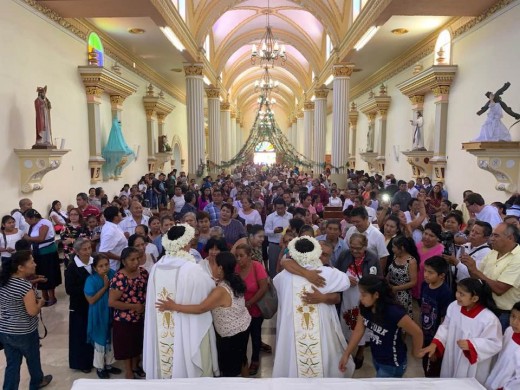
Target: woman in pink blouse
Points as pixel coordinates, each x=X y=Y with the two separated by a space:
x=428 y=247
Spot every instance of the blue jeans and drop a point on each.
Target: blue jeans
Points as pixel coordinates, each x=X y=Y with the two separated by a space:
x=504 y=320
x=17 y=347
x=385 y=371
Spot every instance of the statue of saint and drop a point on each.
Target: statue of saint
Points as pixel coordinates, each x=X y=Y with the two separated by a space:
x=42 y=106
x=418 y=135
x=370 y=137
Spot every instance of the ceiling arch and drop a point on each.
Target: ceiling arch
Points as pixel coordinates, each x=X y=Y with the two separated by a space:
x=211 y=10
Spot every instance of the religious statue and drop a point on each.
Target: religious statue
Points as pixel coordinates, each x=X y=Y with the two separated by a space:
x=42 y=106
x=418 y=135
x=493 y=129
x=370 y=137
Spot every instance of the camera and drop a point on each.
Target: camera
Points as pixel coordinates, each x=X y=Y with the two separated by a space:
x=448 y=240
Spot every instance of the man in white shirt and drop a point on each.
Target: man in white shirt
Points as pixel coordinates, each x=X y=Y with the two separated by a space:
x=112 y=239
x=24 y=204
x=376 y=240
x=136 y=217
x=477 y=248
x=178 y=199
x=476 y=205
x=412 y=190
x=275 y=223
x=350 y=200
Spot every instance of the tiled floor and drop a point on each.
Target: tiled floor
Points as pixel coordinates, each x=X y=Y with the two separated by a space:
x=54 y=352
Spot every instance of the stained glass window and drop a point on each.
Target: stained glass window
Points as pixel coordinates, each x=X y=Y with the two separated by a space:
x=264 y=147
x=95 y=46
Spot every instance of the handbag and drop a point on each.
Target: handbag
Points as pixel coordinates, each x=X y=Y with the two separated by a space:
x=268 y=304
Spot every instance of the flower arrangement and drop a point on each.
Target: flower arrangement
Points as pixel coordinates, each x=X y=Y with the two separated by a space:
x=311 y=258
x=176 y=247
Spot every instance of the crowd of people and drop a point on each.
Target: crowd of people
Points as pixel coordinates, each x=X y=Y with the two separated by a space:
x=175 y=277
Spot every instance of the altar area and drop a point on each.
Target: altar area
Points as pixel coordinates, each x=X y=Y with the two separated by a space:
x=280 y=384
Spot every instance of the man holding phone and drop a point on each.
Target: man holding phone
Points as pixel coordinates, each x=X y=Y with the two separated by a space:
x=274 y=225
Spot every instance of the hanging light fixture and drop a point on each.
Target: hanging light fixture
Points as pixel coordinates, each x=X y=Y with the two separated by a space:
x=266 y=83
x=270 y=50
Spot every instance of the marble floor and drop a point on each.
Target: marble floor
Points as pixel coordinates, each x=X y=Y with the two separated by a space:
x=54 y=352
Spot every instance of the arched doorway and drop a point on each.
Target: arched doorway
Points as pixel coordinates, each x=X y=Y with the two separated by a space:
x=265 y=153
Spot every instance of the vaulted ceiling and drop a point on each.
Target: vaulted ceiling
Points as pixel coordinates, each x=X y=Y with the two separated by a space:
x=234 y=25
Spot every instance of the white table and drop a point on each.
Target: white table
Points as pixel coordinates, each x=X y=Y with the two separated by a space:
x=279 y=384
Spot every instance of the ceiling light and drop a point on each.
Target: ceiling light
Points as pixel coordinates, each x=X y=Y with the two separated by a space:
x=168 y=32
x=399 y=31
x=366 y=37
x=136 y=31
x=270 y=51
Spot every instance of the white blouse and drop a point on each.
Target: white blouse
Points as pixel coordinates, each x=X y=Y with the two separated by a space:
x=11 y=239
x=232 y=320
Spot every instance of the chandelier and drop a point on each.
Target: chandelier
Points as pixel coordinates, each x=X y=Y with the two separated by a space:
x=270 y=51
x=266 y=83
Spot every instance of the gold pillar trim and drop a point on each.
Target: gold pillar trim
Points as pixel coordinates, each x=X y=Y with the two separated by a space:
x=116 y=99
x=372 y=116
x=342 y=70
x=299 y=114
x=225 y=106
x=233 y=114
x=94 y=91
x=161 y=117
x=420 y=161
x=193 y=69
x=213 y=93
x=441 y=90
x=321 y=93
x=429 y=80
x=353 y=116
x=149 y=114
x=416 y=99
x=294 y=120
x=307 y=106
x=383 y=113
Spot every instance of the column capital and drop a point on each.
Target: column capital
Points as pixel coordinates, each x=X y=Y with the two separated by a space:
x=416 y=99
x=212 y=92
x=116 y=99
x=321 y=92
x=193 y=70
x=307 y=106
x=299 y=115
x=294 y=119
x=94 y=91
x=161 y=117
x=372 y=116
x=342 y=70
x=225 y=106
x=233 y=114
x=441 y=90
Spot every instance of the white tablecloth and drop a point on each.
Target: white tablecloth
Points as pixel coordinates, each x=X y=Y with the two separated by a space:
x=280 y=384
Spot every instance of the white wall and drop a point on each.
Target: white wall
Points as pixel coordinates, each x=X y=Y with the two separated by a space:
x=37 y=52
x=487 y=57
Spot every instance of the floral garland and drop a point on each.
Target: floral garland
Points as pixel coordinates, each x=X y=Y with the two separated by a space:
x=311 y=258
x=176 y=247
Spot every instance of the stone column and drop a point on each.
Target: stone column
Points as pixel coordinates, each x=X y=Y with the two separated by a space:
x=94 y=134
x=320 y=127
x=308 y=130
x=240 y=141
x=233 y=130
x=299 y=130
x=214 y=147
x=381 y=151
x=225 y=130
x=353 y=118
x=295 y=136
x=340 y=130
x=195 y=116
x=150 y=134
x=116 y=104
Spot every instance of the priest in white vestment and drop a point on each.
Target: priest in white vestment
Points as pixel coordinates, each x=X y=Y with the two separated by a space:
x=309 y=340
x=178 y=345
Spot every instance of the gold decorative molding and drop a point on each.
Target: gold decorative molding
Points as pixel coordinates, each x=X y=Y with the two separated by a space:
x=156 y=105
x=116 y=99
x=441 y=90
x=342 y=70
x=308 y=106
x=35 y=164
x=416 y=100
x=193 y=70
x=436 y=78
x=502 y=159
x=213 y=93
x=94 y=91
x=299 y=115
x=377 y=104
x=233 y=114
x=294 y=120
x=225 y=106
x=321 y=93
x=420 y=162
x=109 y=82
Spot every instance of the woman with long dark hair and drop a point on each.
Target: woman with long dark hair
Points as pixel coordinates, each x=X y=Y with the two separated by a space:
x=8 y=239
x=45 y=251
x=230 y=315
x=19 y=308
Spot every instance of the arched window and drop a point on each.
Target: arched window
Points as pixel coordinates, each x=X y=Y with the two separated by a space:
x=357 y=6
x=181 y=7
x=96 y=54
x=443 y=49
x=328 y=46
x=207 y=47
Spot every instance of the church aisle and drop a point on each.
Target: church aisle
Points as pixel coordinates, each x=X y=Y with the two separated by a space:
x=54 y=352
